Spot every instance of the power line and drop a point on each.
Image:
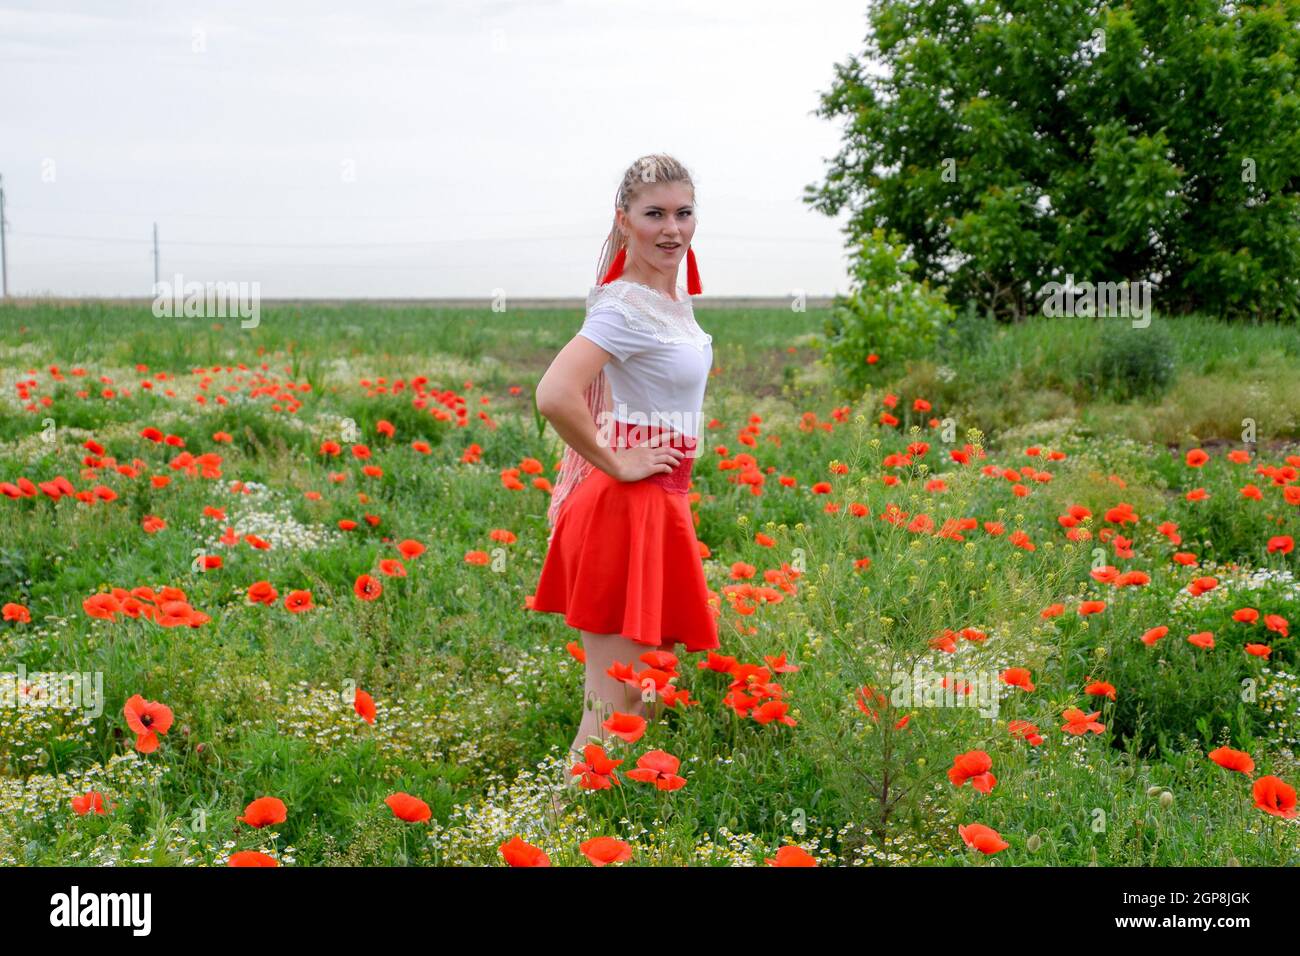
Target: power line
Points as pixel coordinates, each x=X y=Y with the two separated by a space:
x=301 y=245
x=391 y=243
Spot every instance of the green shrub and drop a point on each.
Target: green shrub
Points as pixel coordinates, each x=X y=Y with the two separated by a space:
x=887 y=313
x=1131 y=363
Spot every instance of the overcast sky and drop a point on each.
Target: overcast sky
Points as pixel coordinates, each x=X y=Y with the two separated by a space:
x=384 y=148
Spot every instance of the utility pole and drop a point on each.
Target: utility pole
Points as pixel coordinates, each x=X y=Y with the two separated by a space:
x=155 y=258
x=4 y=255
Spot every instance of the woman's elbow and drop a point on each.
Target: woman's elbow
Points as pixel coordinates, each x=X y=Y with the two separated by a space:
x=543 y=399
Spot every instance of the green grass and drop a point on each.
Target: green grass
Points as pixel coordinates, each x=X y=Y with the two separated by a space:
x=476 y=696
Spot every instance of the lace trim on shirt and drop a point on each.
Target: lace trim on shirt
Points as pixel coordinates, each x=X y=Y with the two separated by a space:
x=650 y=311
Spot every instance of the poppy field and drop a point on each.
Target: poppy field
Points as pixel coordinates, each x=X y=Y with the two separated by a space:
x=266 y=601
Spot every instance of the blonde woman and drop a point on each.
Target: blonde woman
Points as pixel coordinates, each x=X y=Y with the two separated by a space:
x=626 y=393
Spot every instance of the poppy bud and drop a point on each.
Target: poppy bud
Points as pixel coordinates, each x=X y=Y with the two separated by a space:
x=1034 y=843
x=1152 y=791
x=1166 y=799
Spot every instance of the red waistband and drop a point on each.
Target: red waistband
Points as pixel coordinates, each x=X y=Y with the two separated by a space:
x=679 y=479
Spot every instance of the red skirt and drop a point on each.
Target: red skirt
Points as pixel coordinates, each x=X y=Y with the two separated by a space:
x=623 y=557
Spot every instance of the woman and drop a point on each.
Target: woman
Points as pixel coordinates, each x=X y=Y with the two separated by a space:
x=623 y=563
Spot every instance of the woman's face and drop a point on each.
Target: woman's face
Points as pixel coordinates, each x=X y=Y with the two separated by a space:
x=659 y=226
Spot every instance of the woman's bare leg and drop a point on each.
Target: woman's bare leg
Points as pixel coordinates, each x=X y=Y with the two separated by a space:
x=602 y=694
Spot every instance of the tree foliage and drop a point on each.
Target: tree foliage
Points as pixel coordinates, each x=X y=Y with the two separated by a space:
x=1011 y=144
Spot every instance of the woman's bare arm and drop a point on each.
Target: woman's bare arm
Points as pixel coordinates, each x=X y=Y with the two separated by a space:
x=560 y=399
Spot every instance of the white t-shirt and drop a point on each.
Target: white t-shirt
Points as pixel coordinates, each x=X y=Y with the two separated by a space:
x=661 y=356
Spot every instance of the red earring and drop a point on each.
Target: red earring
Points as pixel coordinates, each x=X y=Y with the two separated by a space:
x=615 y=267
x=693 y=286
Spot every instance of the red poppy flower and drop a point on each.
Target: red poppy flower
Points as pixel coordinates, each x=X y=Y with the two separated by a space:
x=364 y=705
x=1099 y=688
x=1026 y=731
x=104 y=606
x=367 y=587
x=596 y=769
x=410 y=548
x=660 y=768
x=148 y=719
x=721 y=663
x=791 y=855
x=1230 y=759
x=264 y=811
x=408 y=808
x=16 y=612
x=251 y=858
x=516 y=852
x=1077 y=722
x=89 y=802
x=605 y=850
x=628 y=727
x=774 y=710
x=1132 y=578
x=1018 y=677
x=974 y=765
x=262 y=593
x=298 y=601
x=1153 y=635
x=1275 y=797
x=977 y=836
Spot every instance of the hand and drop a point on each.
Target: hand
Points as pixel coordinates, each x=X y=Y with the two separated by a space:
x=642 y=461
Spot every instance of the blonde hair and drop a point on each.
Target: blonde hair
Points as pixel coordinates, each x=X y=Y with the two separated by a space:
x=648 y=170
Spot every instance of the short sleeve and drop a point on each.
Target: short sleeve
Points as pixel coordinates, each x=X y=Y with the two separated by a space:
x=609 y=330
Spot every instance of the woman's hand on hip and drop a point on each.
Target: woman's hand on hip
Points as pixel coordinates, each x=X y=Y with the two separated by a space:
x=642 y=461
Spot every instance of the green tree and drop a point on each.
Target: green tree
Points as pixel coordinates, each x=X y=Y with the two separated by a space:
x=1011 y=144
